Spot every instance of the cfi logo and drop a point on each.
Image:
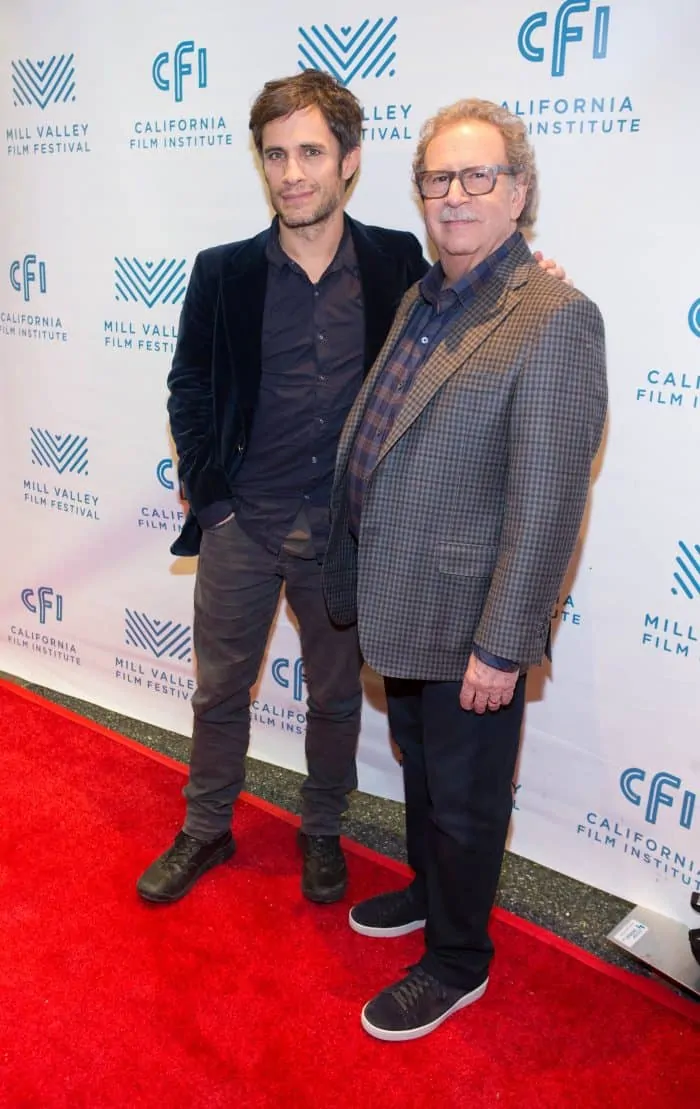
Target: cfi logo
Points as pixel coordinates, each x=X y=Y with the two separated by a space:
x=161 y=638
x=150 y=282
x=41 y=601
x=42 y=82
x=28 y=272
x=687 y=576
x=163 y=471
x=166 y=75
x=656 y=796
x=694 y=318
x=280 y=672
x=564 y=34
x=62 y=453
x=367 y=50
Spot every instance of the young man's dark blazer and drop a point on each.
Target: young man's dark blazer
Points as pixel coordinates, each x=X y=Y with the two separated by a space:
x=216 y=368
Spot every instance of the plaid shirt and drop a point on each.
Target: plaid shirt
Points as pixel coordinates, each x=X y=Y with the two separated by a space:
x=429 y=322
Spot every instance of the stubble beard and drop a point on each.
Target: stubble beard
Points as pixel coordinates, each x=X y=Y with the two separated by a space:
x=324 y=211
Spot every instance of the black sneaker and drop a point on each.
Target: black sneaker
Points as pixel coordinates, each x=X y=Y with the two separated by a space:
x=694 y=940
x=388 y=914
x=324 y=877
x=415 y=1006
x=174 y=873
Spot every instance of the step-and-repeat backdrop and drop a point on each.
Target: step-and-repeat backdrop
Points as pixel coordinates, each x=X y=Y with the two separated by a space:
x=126 y=150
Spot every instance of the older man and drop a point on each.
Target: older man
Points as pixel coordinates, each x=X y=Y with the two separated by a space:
x=461 y=481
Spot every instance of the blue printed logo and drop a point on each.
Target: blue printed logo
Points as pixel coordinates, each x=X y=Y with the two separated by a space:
x=160 y=638
x=42 y=82
x=28 y=272
x=62 y=453
x=167 y=76
x=367 y=50
x=687 y=576
x=42 y=600
x=694 y=318
x=653 y=797
x=564 y=34
x=150 y=282
x=280 y=672
x=163 y=470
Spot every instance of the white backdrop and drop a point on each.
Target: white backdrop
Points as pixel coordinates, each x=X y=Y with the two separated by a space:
x=126 y=150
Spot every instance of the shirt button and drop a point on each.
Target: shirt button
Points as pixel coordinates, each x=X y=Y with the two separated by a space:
x=424 y=339
x=321 y=420
x=316 y=292
x=314 y=459
x=307 y=497
x=322 y=378
x=322 y=336
x=399 y=387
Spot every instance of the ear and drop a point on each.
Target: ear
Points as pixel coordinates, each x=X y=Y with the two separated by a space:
x=519 y=196
x=350 y=163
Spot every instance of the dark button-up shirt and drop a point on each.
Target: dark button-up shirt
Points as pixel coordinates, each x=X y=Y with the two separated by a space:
x=312 y=370
x=434 y=312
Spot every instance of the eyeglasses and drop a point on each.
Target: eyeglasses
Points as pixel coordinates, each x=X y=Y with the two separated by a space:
x=475 y=180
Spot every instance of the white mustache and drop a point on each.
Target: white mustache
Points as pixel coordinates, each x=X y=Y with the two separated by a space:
x=456 y=215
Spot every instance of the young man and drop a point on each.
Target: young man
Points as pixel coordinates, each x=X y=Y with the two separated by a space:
x=276 y=336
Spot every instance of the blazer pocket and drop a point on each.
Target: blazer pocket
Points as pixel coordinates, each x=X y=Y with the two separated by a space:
x=466 y=560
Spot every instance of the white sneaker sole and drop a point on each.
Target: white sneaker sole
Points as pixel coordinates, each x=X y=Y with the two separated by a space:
x=384 y=933
x=391 y=1036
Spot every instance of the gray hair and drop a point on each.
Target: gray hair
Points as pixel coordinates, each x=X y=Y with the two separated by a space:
x=519 y=151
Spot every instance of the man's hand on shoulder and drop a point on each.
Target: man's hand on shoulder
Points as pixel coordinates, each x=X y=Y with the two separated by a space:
x=484 y=687
x=550 y=266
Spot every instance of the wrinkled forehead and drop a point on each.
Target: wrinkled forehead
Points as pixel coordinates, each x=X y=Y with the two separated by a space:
x=470 y=143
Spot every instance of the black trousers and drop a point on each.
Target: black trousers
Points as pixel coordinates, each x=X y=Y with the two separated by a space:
x=458 y=772
x=236 y=595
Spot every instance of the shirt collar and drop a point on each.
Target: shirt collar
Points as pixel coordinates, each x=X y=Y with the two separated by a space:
x=433 y=287
x=345 y=257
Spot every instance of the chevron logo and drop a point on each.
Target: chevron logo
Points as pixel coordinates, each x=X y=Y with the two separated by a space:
x=687 y=576
x=367 y=50
x=43 y=82
x=62 y=453
x=161 y=638
x=150 y=282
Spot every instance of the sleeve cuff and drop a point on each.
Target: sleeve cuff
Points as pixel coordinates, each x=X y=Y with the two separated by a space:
x=213 y=514
x=496 y=661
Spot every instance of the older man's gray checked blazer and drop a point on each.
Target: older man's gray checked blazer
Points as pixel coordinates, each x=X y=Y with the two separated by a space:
x=472 y=511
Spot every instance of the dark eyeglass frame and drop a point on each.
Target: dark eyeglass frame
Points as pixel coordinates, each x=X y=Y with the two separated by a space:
x=493 y=173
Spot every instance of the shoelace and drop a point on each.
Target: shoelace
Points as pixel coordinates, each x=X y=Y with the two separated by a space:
x=317 y=846
x=408 y=992
x=183 y=847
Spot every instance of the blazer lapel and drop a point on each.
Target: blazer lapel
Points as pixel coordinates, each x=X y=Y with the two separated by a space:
x=354 y=420
x=487 y=312
x=380 y=295
x=243 y=288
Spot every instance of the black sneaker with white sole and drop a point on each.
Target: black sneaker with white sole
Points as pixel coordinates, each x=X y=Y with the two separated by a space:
x=388 y=914
x=415 y=1006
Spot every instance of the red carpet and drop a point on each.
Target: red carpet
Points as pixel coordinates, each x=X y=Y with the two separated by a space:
x=243 y=994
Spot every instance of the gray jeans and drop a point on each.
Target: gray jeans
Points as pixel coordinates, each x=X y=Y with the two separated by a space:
x=236 y=594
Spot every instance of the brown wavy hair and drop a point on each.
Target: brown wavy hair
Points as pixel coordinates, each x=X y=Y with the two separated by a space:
x=309 y=89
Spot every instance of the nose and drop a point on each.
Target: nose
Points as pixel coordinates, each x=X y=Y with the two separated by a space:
x=292 y=171
x=456 y=196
